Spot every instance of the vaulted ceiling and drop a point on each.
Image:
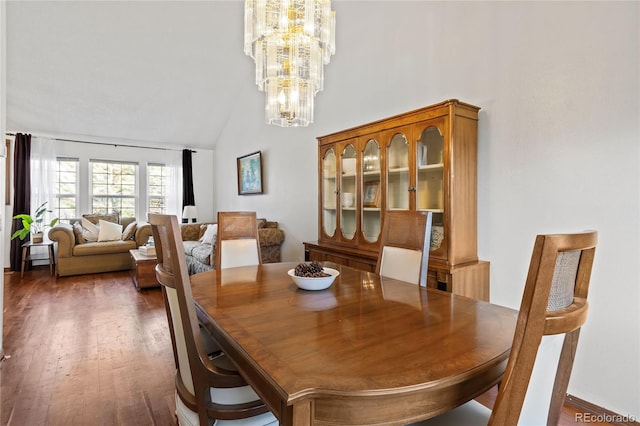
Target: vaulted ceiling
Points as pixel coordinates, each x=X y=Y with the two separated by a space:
x=157 y=72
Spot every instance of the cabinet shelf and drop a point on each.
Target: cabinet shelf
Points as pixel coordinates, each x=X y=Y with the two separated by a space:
x=398 y=170
x=429 y=167
x=371 y=173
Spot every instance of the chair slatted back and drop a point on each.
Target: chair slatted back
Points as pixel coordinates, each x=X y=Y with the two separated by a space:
x=560 y=265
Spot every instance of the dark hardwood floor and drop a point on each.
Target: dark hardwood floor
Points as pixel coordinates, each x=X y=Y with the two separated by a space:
x=91 y=350
x=86 y=350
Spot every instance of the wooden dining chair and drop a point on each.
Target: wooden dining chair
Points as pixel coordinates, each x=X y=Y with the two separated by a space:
x=554 y=303
x=207 y=389
x=237 y=242
x=404 y=246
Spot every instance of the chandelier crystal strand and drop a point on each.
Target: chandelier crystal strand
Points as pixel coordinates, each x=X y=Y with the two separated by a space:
x=290 y=42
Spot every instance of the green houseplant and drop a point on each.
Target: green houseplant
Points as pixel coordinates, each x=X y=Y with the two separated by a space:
x=35 y=224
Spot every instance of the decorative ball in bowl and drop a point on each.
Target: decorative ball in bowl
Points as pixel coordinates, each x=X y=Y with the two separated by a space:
x=313 y=276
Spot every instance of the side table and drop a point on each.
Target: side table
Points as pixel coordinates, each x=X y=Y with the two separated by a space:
x=143 y=270
x=27 y=256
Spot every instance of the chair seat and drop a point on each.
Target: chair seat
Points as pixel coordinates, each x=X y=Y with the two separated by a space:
x=235 y=395
x=187 y=417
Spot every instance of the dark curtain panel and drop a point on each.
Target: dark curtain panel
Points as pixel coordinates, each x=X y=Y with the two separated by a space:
x=188 y=199
x=21 y=193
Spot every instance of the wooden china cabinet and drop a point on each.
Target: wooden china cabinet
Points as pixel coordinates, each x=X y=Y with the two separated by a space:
x=420 y=160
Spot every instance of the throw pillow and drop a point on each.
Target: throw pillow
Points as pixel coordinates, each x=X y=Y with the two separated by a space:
x=90 y=230
x=210 y=234
x=77 y=231
x=96 y=218
x=109 y=231
x=190 y=232
x=262 y=222
x=129 y=232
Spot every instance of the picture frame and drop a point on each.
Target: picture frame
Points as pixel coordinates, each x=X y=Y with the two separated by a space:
x=250 y=173
x=371 y=194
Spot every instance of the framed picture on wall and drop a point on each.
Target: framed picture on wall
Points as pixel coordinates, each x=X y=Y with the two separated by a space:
x=250 y=174
x=371 y=194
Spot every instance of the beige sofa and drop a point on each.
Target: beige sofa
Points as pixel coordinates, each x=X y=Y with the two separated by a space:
x=75 y=257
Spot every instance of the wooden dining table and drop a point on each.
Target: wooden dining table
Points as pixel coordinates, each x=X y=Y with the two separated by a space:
x=368 y=350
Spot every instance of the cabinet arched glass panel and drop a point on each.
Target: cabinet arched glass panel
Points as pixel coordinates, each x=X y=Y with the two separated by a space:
x=430 y=182
x=329 y=191
x=371 y=191
x=398 y=173
x=348 y=192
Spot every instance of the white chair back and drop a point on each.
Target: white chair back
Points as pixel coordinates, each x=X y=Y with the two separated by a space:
x=401 y=264
x=238 y=253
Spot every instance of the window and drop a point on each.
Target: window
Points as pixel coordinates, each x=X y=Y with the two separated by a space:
x=66 y=188
x=113 y=187
x=156 y=188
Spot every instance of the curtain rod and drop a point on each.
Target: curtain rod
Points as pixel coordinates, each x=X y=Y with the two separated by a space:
x=105 y=143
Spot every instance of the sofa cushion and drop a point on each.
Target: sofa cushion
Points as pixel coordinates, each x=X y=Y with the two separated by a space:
x=109 y=231
x=90 y=231
x=126 y=221
x=96 y=218
x=210 y=234
x=77 y=232
x=130 y=231
x=199 y=251
x=105 y=247
x=190 y=232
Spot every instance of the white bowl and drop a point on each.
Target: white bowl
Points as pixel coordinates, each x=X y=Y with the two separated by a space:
x=317 y=283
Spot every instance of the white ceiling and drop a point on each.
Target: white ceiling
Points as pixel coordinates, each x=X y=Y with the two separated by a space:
x=157 y=72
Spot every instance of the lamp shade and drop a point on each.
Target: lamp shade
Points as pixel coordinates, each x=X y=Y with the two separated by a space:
x=189 y=212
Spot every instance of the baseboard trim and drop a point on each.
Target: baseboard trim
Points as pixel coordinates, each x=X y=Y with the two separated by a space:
x=592 y=413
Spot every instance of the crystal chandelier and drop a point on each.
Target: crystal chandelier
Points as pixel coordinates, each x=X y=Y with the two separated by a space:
x=290 y=42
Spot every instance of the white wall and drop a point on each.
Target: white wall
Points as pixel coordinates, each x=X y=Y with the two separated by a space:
x=558 y=143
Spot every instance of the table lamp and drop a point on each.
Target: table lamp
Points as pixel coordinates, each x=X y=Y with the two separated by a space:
x=189 y=212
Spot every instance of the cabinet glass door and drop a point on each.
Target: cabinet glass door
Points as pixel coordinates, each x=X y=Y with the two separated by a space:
x=348 y=192
x=329 y=191
x=430 y=180
x=398 y=173
x=371 y=191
